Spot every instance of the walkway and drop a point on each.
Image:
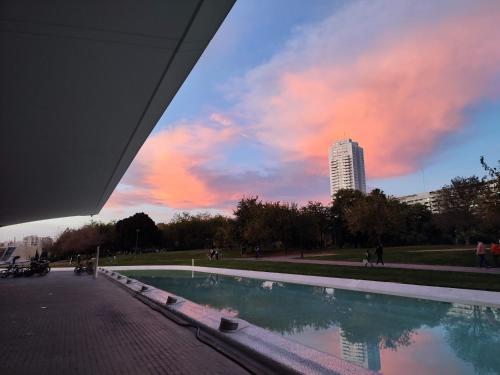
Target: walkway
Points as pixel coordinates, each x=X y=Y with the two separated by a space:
x=68 y=324
x=426 y=267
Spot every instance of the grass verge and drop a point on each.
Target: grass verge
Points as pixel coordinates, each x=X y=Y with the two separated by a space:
x=420 y=277
x=410 y=255
x=433 y=278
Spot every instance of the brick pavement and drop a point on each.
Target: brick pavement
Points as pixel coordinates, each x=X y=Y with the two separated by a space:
x=68 y=324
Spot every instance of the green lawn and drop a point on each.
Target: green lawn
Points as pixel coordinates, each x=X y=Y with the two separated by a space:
x=435 y=278
x=169 y=257
x=411 y=255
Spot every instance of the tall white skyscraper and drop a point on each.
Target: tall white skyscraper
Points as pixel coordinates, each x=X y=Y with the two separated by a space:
x=347 y=166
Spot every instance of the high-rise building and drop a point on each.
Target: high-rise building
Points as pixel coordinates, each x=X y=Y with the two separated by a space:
x=347 y=166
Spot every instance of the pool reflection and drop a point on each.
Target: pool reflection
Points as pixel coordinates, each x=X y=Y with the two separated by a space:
x=364 y=328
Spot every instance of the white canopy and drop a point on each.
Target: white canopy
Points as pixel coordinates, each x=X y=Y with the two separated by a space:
x=82 y=84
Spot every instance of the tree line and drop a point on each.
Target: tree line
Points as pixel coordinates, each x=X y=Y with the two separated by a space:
x=468 y=209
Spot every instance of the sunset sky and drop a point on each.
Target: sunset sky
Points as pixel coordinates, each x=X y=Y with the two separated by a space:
x=416 y=83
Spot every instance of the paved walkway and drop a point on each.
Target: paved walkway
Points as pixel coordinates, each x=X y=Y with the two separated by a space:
x=68 y=324
x=294 y=259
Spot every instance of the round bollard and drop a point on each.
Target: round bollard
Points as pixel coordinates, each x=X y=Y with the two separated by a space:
x=228 y=325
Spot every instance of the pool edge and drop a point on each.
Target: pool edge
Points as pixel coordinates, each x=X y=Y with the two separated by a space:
x=281 y=355
x=434 y=293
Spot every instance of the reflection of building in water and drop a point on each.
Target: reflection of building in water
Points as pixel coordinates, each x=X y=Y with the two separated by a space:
x=459 y=310
x=469 y=312
x=363 y=354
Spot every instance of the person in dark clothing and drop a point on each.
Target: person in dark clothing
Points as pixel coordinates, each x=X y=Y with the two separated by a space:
x=379 y=250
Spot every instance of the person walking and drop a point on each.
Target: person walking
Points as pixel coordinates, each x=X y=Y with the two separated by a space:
x=495 y=252
x=379 y=250
x=368 y=258
x=481 y=253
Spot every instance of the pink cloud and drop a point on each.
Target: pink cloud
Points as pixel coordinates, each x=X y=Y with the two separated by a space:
x=399 y=98
x=163 y=172
x=396 y=77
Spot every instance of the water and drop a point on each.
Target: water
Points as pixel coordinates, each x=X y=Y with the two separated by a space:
x=393 y=335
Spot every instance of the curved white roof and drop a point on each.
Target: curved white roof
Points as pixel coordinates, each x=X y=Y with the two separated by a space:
x=82 y=84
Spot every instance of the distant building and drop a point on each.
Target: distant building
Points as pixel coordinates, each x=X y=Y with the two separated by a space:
x=347 y=166
x=25 y=249
x=428 y=199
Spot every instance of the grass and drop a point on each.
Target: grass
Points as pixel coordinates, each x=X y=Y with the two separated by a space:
x=434 y=278
x=412 y=255
x=419 y=277
x=169 y=257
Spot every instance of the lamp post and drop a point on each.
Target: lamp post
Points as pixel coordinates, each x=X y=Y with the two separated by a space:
x=96 y=262
x=136 y=239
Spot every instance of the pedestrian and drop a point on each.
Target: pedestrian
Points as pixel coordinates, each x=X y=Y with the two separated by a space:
x=481 y=253
x=257 y=251
x=379 y=250
x=216 y=254
x=495 y=252
x=368 y=258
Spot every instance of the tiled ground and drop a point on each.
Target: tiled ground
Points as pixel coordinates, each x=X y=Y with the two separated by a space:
x=68 y=324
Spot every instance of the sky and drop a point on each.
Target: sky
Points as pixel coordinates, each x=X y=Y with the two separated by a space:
x=416 y=84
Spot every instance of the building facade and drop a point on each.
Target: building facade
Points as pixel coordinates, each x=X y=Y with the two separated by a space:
x=347 y=166
x=428 y=199
x=26 y=249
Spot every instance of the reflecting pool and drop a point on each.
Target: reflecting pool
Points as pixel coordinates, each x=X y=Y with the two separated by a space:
x=392 y=335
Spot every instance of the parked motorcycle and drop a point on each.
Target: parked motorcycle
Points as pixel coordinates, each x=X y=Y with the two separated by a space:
x=38 y=266
x=87 y=268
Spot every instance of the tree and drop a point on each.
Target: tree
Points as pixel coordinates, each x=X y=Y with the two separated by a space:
x=137 y=230
x=459 y=206
x=245 y=213
x=375 y=216
x=85 y=239
x=187 y=232
x=490 y=202
x=340 y=210
x=418 y=225
x=312 y=224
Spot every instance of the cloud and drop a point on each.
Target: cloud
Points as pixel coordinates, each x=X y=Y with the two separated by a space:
x=164 y=170
x=398 y=77
x=399 y=94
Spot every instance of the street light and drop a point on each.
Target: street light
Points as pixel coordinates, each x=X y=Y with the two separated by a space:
x=136 y=239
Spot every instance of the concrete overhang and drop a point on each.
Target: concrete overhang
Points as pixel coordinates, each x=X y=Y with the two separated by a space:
x=82 y=84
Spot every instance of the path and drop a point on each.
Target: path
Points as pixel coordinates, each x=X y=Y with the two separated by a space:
x=68 y=324
x=427 y=267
